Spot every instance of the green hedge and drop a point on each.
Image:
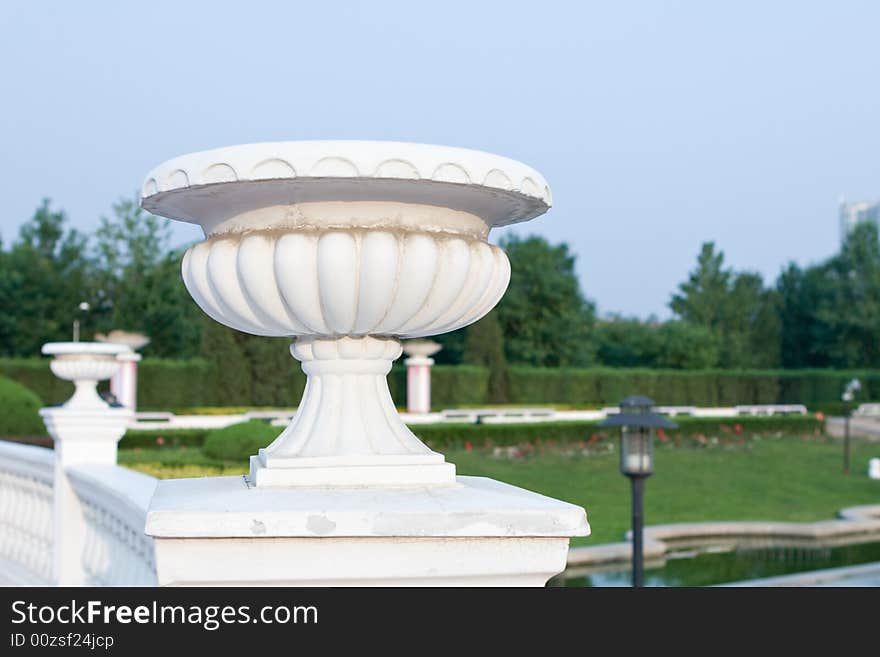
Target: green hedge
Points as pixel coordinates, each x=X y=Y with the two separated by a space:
x=162 y=384
x=445 y=436
x=34 y=374
x=19 y=411
x=451 y=385
x=238 y=442
x=163 y=437
x=603 y=386
x=171 y=385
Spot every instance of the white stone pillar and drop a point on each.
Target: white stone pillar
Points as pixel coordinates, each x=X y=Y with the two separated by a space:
x=85 y=430
x=219 y=531
x=125 y=380
x=123 y=384
x=418 y=374
x=350 y=247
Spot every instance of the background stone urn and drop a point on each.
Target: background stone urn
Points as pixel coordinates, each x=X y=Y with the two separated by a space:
x=85 y=427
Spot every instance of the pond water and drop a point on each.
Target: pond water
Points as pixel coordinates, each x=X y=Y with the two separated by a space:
x=708 y=566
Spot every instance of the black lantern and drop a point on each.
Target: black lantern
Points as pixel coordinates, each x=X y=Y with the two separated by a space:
x=637 y=421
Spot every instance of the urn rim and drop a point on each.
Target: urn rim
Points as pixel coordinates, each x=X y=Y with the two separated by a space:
x=83 y=348
x=498 y=189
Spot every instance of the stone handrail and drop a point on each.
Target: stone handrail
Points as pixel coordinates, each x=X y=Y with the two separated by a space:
x=105 y=531
x=26 y=520
x=114 y=502
x=505 y=415
x=868 y=410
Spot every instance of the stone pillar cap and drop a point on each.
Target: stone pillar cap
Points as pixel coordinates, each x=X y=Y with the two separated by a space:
x=473 y=506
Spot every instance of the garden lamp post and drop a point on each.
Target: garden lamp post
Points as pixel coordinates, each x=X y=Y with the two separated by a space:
x=83 y=307
x=849 y=394
x=637 y=421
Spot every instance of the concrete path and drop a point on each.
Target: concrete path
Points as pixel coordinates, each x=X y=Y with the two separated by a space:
x=859 y=427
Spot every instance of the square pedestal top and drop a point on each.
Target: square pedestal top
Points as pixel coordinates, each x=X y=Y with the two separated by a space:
x=216 y=507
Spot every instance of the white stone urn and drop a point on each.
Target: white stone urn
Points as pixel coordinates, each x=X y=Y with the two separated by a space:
x=347 y=247
x=134 y=341
x=85 y=428
x=421 y=349
x=84 y=364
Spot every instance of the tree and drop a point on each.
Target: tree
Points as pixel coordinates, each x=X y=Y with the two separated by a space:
x=796 y=305
x=735 y=307
x=847 y=310
x=484 y=345
x=43 y=277
x=675 y=344
x=686 y=346
x=627 y=342
x=139 y=284
x=702 y=297
x=750 y=335
x=545 y=318
x=830 y=312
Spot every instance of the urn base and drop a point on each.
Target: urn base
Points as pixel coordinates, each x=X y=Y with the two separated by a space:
x=343 y=471
x=347 y=431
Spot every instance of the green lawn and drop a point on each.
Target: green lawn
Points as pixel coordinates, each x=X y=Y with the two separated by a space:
x=786 y=478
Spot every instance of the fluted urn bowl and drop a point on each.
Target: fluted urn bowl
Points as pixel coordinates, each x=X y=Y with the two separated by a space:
x=346 y=247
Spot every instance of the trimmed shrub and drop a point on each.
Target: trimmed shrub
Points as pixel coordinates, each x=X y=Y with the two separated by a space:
x=451 y=385
x=445 y=436
x=457 y=385
x=536 y=385
x=170 y=384
x=239 y=441
x=163 y=438
x=607 y=386
x=790 y=424
x=19 y=411
x=162 y=384
x=453 y=436
x=226 y=410
x=397 y=384
x=279 y=381
x=35 y=375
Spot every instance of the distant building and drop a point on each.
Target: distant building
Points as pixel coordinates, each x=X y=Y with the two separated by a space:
x=852 y=214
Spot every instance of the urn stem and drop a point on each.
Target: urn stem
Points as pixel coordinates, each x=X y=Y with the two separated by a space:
x=347 y=428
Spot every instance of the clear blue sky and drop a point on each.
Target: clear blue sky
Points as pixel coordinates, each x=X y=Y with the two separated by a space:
x=658 y=124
